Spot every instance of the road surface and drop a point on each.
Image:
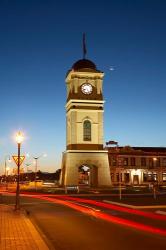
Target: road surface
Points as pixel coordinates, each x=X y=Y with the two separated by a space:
x=75 y=229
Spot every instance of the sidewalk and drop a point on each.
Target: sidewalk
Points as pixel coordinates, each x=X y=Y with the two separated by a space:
x=17 y=231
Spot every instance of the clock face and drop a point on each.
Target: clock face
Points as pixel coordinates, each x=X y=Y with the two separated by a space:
x=86 y=88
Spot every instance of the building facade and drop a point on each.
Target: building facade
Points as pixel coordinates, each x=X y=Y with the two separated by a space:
x=137 y=165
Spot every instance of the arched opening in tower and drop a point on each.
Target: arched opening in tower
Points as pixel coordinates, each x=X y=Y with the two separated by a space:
x=84 y=175
x=88 y=175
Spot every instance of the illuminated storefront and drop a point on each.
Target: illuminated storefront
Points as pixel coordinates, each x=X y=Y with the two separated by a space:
x=137 y=165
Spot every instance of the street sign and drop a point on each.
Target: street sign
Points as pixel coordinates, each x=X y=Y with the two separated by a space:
x=15 y=158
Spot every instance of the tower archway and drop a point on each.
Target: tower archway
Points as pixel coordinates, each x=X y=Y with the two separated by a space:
x=87 y=175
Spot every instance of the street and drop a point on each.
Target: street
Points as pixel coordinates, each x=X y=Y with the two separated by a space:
x=67 y=228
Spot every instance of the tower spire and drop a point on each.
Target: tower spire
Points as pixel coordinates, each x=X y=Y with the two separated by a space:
x=84 y=46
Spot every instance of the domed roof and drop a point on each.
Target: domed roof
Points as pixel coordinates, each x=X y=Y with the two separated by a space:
x=84 y=64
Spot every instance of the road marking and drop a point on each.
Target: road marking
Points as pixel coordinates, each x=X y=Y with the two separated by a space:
x=160 y=212
x=83 y=205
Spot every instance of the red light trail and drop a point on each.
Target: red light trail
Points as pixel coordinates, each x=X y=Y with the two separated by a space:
x=107 y=217
x=104 y=216
x=117 y=208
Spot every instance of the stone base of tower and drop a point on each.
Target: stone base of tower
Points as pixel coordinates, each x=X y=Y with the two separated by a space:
x=97 y=161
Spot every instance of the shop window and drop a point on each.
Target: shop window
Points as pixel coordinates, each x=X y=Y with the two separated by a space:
x=164 y=177
x=126 y=177
x=145 y=177
x=149 y=177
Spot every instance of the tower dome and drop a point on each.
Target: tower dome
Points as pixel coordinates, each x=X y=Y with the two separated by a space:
x=84 y=65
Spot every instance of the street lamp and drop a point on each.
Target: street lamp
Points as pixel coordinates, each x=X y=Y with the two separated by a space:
x=36 y=166
x=19 y=139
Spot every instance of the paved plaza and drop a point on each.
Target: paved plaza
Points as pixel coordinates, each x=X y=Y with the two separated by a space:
x=17 y=231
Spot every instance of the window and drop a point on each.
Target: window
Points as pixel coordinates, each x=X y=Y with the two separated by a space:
x=156 y=162
x=150 y=163
x=149 y=177
x=164 y=162
x=125 y=161
x=126 y=177
x=118 y=177
x=114 y=162
x=164 y=176
x=145 y=177
x=132 y=161
x=87 y=130
x=112 y=177
x=143 y=161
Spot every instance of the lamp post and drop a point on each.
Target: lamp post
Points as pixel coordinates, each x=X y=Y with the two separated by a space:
x=27 y=165
x=9 y=160
x=19 y=140
x=36 y=166
x=155 y=159
x=119 y=161
x=7 y=171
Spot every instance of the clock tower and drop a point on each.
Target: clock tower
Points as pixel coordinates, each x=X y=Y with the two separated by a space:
x=84 y=127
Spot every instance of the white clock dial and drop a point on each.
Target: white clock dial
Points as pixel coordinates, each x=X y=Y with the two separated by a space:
x=86 y=88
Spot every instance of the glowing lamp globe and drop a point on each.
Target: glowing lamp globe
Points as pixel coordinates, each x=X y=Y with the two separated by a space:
x=19 y=137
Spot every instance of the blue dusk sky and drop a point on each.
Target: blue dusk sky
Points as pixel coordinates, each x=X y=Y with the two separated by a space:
x=39 y=42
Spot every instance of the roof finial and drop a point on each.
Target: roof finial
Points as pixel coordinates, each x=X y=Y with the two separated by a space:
x=84 y=46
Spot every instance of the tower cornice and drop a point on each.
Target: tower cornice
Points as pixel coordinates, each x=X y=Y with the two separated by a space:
x=84 y=102
x=77 y=74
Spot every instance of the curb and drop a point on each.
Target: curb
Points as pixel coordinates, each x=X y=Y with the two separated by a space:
x=134 y=207
x=36 y=236
x=40 y=232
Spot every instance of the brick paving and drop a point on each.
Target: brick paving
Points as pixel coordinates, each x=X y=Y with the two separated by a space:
x=17 y=232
